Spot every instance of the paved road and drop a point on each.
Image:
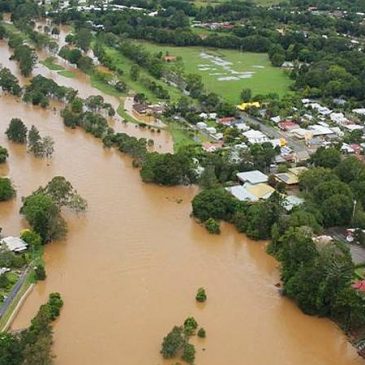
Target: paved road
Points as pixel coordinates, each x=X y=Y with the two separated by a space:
x=13 y=293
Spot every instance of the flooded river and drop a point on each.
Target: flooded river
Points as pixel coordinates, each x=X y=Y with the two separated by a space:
x=130 y=267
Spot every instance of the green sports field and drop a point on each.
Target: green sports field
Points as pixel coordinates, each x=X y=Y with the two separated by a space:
x=227 y=72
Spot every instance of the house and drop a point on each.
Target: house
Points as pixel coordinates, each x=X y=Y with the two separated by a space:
x=288 y=65
x=240 y=193
x=143 y=112
x=301 y=156
x=252 y=177
x=218 y=136
x=211 y=147
x=292 y=176
x=353 y=127
x=301 y=133
x=360 y=111
x=292 y=201
x=227 y=121
x=244 y=106
x=320 y=130
x=254 y=136
x=287 y=125
x=338 y=118
x=242 y=127
x=211 y=130
x=251 y=193
x=14 y=244
x=276 y=119
x=201 y=125
x=4 y=270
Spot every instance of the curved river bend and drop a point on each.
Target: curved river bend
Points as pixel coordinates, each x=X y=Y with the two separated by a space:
x=130 y=267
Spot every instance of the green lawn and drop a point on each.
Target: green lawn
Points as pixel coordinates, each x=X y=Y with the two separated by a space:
x=180 y=135
x=247 y=70
x=125 y=64
x=49 y=62
x=67 y=73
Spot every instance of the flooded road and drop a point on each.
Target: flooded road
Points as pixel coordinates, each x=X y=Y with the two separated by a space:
x=130 y=267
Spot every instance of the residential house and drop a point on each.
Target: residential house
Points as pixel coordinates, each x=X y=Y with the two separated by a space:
x=244 y=106
x=287 y=125
x=252 y=177
x=14 y=244
x=254 y=136
x=292 y=176
x=251 y=193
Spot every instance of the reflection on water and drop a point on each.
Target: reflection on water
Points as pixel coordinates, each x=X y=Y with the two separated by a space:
x=130 y=267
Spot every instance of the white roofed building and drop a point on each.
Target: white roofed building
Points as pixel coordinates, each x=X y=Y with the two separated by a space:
x=14 y=244
x=252 y=177
x=254 y=136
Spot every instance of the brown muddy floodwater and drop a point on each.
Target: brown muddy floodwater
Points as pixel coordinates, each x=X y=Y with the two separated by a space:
x=130 y=267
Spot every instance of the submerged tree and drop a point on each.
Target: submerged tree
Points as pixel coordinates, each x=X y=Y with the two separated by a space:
x=3 y=154
x=38 y=146
x=6 y=189
x=17 y=131
x=42 y=208
x=9 y=83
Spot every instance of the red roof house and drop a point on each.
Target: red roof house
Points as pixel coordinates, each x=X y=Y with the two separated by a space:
x=287 y=125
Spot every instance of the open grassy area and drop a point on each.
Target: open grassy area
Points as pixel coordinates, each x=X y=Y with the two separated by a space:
x=66 y=73
x=125 y=64
x=227 y=72
x=49 y=62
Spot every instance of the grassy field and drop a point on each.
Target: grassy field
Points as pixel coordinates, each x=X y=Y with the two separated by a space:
x=51 y=65
x=125 y=64
x=227 y=72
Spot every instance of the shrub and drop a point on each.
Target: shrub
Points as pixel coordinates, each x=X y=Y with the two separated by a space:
x=55 y=303
x=32 y=238
x=40 y=272
x=201 y=295
x=3 y=154
x=190 y=325
x=201 y=333
x=212 y=226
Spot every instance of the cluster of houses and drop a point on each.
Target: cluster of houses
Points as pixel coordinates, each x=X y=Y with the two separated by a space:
x=252 y=136
x=212 y=25
x=253 y=186
x=320 y=126
x=85 y=6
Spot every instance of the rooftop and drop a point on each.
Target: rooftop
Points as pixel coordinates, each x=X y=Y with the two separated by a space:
x=253 y=177
x=14 y=244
